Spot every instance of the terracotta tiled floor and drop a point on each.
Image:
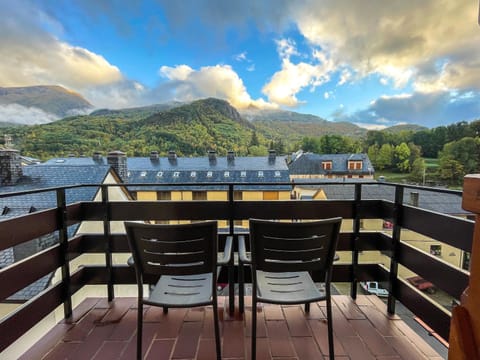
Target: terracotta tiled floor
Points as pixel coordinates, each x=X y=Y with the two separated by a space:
x=107 y=331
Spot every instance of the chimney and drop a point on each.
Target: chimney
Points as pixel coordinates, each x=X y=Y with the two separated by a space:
x=118 y=160
x=154 y=157
x=272 y=154
x=172 y=157
x=97 y=157
x=414 y=198
x=10 y=167
x=230 y=158
x=212 y=157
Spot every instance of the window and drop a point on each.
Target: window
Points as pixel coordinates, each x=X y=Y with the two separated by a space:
x=160 y=174
x=143 y=174
x=277 y=174
x=193 y=174
x=436 y=250
x=243 y=174
x=260 y=173
x=164 y=195
x=355 y=164
x=326 y=165
x=209 y=174
x=237 y=195
x=226 y=174
x=176 y=174
x=199 y=195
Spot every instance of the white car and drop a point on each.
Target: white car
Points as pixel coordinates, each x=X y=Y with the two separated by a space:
x=372 y=287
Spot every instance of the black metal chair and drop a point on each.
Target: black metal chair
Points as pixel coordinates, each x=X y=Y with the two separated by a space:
x=184 y=260
x=283 y=255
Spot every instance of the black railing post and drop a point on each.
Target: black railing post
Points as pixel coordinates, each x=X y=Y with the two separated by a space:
x=356 y=231
x=397 y=221
x=231 y=265
x=63 y=242
x=108 y=242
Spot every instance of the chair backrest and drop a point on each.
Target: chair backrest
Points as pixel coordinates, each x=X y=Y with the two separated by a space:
x=294 y=246
x=183 y=249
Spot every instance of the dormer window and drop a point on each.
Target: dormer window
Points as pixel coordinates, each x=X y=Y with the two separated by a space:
x=260 y=173
x=243 y=174
x=226 y=174
x=209 y=174
x=129 y=173
x=143 y=174
x=160 y=174
x=326 y=165
x=277 y=173
x=176 y=174
x=193 y=174
x=355 y=164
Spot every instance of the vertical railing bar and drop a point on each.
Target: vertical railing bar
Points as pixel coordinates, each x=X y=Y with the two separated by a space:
x=231 y=265
x=108 y=242
x=397 y=222
x=356 y=232
x=63 y=242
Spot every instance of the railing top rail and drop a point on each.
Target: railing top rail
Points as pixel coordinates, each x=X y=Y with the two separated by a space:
x=226 y=184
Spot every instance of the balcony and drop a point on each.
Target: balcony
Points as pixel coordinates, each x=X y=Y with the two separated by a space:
x=365 y=326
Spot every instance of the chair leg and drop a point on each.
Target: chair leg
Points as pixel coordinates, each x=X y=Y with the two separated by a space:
x=139 y=329
x=331 y=352
x=254 y=328
x=217 y=331
x=241 y=288
x=307 y=307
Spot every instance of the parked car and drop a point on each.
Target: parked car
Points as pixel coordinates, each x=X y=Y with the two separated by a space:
x=422 y=284
x=372 y=287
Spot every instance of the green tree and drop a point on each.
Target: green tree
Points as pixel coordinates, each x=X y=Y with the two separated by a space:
x=384 y=157
x=451 y=171
x=417 y=171
x=401 y=157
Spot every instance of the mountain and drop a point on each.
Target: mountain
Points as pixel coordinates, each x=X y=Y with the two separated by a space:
x=190 y=129
x=39 y=104
x=291 y=126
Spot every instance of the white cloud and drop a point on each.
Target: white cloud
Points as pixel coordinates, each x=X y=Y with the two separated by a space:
x=241 y=57
x=220 y=81
x=18 y=114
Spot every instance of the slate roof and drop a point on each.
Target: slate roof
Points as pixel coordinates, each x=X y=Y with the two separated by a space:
x=163 y=171
x=304 y=163
x=446 y=203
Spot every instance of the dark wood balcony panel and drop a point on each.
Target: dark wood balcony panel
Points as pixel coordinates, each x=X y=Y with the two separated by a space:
x=25 y=272
x=293 y=209
x=448 y=229
x=422 y=307
x=188 y=333
x=24 y=228
x=24 y=318
x=374 y=240
x=74 y=213
x=156 y=210
x=444 y=276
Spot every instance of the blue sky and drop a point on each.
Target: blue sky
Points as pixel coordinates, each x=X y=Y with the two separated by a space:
x=372 y=62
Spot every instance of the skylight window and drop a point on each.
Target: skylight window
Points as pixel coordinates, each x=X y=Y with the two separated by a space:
x=209 y=174
x=226 y=174
x=160 y=174
x=193 y=174
x=260 y=174
x=243 y=174
x=176 y=174
x=277 y=173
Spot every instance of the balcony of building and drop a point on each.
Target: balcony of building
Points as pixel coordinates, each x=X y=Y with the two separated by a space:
x=88 y=311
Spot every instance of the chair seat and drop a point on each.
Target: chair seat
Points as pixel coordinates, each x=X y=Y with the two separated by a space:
x=287 y=288
x=182 y=291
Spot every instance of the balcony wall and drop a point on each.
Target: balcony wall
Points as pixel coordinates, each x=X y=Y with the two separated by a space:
x=454 y=231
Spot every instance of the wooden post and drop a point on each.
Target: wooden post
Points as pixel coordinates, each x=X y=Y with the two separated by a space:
x=465 y=326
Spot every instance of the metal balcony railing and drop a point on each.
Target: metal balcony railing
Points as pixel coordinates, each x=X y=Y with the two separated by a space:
x=454 y=231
